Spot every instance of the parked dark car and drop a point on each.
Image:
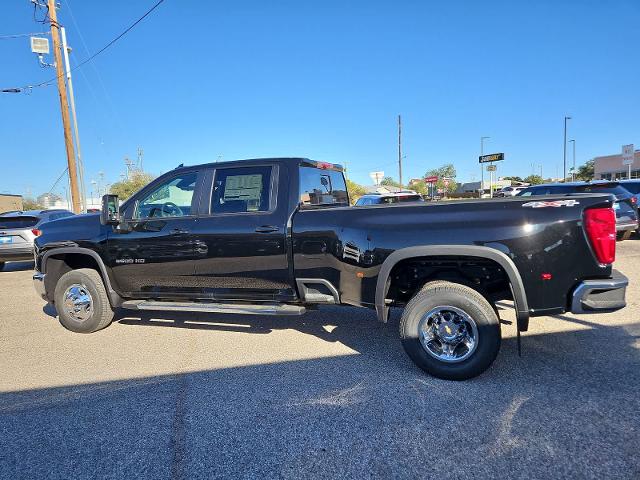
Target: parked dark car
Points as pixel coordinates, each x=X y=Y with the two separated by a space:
x=625 y=206
x=18 y=231
x=634 y=188
x=387 y=198
x=278 y=237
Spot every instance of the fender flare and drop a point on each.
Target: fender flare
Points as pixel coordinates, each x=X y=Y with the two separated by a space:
x=515 y=280
x=114 y=297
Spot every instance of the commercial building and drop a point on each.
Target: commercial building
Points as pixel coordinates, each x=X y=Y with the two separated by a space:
x=610 y=167
x=10 y=202
x=473 y=187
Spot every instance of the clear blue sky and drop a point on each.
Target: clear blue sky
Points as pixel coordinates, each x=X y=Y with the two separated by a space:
x=326 y=80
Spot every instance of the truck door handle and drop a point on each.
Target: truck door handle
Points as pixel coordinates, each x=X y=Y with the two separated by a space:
x=178 y=231
x=266 y=229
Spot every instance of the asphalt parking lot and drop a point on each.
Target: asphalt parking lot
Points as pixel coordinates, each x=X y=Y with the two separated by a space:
x=327 y=395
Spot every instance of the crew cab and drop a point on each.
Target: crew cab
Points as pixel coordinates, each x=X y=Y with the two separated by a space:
x=278 y=237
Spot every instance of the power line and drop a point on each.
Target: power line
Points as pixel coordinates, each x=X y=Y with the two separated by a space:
x=86 y=60
x=20 y=35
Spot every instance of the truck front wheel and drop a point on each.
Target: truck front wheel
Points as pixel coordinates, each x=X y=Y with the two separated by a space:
x=450 y=331
x=81 y=301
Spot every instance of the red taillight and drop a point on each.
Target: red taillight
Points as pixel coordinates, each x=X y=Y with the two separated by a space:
x=36 y=232
x=324 y=165
x=600 y=224
x=634 y=200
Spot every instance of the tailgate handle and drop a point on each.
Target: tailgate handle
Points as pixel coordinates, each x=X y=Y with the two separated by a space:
x=266 y=229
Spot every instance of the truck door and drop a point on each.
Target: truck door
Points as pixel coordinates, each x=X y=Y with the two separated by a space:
x=153 y=255
x=242 y=228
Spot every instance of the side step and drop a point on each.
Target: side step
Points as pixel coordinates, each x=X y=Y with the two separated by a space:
x=235 y=308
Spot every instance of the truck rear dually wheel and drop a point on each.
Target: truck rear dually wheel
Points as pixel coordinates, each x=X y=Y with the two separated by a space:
x=450 y=331
x=81 y=301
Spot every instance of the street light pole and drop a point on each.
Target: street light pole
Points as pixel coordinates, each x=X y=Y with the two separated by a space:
x=564 y=148
x=72 y=103
x=400 y=150
x=482 y=139
x=573 y=170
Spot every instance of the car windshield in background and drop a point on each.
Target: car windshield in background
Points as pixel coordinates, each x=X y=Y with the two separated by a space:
x=559 y=189
x=409 y=198
x=633 y=187
x=18 y=222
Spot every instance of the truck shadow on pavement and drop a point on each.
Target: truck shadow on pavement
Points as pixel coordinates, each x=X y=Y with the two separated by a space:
x=567 y=408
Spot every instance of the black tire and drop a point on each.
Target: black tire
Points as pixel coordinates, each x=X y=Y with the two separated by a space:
x=443 y=293
x=2 y=266
x=626 y=235
x=102 y=312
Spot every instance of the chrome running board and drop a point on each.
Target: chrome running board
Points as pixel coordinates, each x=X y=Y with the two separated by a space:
x=234 y=308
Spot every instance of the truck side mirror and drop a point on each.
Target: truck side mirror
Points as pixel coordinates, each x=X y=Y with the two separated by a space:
x=110 y=213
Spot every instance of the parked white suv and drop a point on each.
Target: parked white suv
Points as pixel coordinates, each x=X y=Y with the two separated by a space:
x=19 y=229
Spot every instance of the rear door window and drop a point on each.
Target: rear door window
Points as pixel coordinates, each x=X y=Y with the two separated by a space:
x=242 y=190
x=322 y=187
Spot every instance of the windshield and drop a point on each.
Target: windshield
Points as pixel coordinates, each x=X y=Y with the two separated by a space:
x=18 y=222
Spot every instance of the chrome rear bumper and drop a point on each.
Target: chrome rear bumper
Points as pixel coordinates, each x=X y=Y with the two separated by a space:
x=602 y=295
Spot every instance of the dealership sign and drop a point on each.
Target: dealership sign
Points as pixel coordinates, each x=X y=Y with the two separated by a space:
x=431 y=179
x=627 y=154
x=493 y=157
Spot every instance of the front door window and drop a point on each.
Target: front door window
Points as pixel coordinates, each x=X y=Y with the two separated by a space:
x=172 y=198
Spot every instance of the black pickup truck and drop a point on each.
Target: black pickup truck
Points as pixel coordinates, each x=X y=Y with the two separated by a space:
x=277 y=237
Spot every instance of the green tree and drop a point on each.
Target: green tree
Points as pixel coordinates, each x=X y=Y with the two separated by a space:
x=355 y=191
x=419 y=186
x=445 y=171
x=585 y=172
x=389 y=182
x=513 y=179
x=125 y=188
x=31 y=204
x=534 y=179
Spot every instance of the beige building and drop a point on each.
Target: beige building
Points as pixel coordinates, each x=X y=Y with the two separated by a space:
x=10 y=202
x=610 y=167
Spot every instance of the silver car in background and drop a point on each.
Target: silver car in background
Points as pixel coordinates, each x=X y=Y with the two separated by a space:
x=509 y=191
x=19 y=229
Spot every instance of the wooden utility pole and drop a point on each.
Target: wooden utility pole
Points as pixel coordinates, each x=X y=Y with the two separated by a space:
x=64 y=107
x=400 y=149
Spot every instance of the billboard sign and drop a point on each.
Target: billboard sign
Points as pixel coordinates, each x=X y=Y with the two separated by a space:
x=493 y=157
x=376 y=177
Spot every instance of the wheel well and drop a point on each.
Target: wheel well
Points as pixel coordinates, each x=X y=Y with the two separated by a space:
x=483 y=275
x=61 y=263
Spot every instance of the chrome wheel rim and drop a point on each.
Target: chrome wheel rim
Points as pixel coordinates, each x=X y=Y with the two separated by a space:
x=78 y=303
x=448 y=334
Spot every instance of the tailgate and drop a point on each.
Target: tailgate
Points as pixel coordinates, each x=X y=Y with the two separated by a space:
x=557 y=253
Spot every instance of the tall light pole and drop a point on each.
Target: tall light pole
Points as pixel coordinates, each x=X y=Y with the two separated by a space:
x=564 y=149
x=76 y=202
x=400 y=150
x=573 y=169
x=72 y=103
x=482 y=139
